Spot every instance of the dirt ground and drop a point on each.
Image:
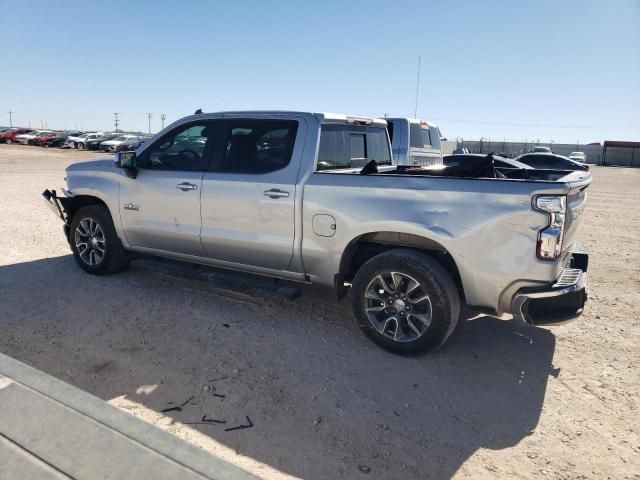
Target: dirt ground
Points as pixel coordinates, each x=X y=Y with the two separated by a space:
x=499 y=400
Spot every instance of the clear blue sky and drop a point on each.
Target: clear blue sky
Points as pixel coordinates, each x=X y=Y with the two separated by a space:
x=561 y=70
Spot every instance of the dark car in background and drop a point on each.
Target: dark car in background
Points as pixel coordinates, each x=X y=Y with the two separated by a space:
x=94 y=143
x=41 y=140
x=551 y=161
x=58 y=139
x=9 y=136
x=471 y=159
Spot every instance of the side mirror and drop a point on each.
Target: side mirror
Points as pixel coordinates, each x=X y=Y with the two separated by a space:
x=127 y=161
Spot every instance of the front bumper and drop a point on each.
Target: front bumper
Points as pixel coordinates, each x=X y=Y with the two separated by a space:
x=58 y=206
x=559 y=302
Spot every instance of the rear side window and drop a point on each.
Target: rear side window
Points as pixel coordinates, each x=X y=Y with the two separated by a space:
x=538 y=161
x=420 y=136
x=257 y=146
x=351 y=146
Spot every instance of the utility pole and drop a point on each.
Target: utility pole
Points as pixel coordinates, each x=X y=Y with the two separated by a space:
x=149 y=117
x=115 y=121
x=415 y=111
x=162 y=117
x=10 y=118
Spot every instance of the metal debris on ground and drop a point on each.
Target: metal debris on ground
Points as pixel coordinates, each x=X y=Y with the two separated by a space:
x=240 y=427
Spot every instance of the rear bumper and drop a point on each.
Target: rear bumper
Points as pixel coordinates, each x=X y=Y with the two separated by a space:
x=559 y=302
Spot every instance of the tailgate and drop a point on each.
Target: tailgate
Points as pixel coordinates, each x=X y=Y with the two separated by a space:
x=576 y=199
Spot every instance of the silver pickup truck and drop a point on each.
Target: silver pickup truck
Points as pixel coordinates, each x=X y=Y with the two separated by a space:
x=315 y=198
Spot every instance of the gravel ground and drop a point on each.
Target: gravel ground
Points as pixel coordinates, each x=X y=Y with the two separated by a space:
x=499 y=400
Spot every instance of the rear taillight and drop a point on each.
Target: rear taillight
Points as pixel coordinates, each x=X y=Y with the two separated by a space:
x=549 y=245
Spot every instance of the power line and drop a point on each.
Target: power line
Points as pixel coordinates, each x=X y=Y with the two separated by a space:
x=551 y=125
x=10 y=118
x=116 y=122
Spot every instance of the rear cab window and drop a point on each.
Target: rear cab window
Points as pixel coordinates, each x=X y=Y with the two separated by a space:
x=352 y=146
x=420 y=135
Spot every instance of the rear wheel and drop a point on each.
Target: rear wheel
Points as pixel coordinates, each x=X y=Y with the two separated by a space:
x=9 y=141
x=405 y=301
x=94 y=242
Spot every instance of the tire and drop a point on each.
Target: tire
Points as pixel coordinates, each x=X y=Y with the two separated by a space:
x=83 y=232
x=80 y=146
x=400 y=319
x=8 y=141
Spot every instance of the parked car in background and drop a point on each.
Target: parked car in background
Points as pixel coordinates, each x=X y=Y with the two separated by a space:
x=314 y=198
x=80 y=142
x=460 y=151
x=9 y=136
x=540 y=149
x=110 y=145
x=578 y=157
x=27 y=138
x=59 y=139
x=414 y=141
x=471 y=159
x=94 y=143
x=41 y=140
x=132 y=143
x=550 y=161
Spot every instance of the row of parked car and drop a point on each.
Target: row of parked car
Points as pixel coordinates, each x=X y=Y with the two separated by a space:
x=105 y=141
x=414 y=142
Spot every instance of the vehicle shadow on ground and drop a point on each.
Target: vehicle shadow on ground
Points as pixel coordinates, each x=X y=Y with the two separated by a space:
x=322 y=400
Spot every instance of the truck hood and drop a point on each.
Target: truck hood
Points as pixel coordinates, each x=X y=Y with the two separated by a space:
x=100 y=165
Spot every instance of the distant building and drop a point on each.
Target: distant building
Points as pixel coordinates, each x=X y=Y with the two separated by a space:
x=624 y=154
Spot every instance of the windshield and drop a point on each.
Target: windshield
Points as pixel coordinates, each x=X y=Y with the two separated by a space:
x=119 y=139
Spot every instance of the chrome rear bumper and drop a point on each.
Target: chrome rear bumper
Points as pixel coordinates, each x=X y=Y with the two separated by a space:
x=559 y=302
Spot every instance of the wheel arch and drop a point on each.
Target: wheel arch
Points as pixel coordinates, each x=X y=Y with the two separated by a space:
x=365 y=246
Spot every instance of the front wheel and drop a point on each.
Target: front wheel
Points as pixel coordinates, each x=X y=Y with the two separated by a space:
x=94 y=242
x=80 y=146
x=405 y=301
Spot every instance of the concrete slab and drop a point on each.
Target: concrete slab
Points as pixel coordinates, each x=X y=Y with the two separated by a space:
x=52 y=430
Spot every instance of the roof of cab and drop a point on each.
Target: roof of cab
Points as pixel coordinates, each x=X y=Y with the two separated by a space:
x=322 y=117
x=415 y=120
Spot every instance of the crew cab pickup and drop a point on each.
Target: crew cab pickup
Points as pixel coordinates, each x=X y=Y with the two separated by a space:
x=315 y=198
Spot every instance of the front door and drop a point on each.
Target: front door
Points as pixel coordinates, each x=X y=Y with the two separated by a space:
x=248 y=196
x=160 y=209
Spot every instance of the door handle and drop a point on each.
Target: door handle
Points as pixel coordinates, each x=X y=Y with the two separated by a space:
x=185 y=186
x=275 y=193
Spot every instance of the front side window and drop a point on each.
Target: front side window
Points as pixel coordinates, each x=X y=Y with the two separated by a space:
x=351 y=146
x=257 y=146
x=182 y=149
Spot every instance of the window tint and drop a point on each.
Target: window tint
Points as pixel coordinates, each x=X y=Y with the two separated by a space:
x=182 y=149
x=350 y=146
x=257 y=146
x=542 y=161
x=358 y=149
x=420 y=136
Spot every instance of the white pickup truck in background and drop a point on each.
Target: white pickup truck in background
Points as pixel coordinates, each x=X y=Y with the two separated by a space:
x=414 y=142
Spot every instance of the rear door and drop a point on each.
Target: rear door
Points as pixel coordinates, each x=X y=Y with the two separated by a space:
x=248 y=195
x=160 y=209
